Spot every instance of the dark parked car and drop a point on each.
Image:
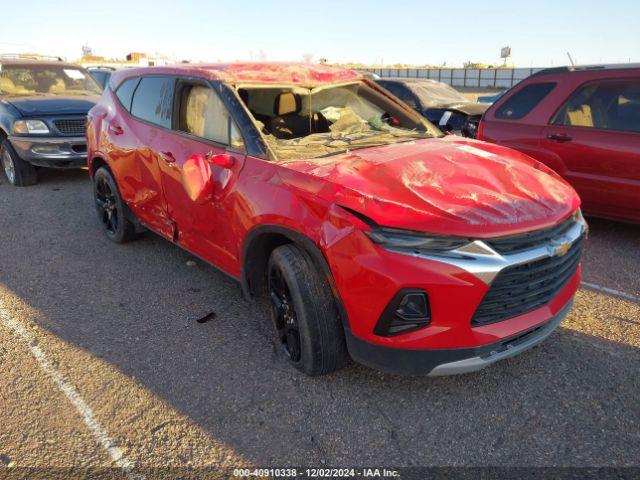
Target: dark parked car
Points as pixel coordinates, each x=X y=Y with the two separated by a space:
x=43 y=108
x=439 y=103
x=584 y=123
x=101 y=74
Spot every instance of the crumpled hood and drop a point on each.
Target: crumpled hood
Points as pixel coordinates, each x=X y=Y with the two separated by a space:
x=53 y=105
x=450 y=186
x=466 y=108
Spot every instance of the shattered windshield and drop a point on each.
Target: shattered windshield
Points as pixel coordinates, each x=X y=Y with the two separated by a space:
x=299 y=123
x=436 y=94
x=46 y=80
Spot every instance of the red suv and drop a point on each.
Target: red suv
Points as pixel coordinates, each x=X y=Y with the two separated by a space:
x=371 y=233
x=584 y=123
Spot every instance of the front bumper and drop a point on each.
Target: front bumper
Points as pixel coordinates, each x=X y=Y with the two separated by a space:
x=53 y=152
x=368 y=277
x=450 y=361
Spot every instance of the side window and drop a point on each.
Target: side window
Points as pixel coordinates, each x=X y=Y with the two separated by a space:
x=153 y=99
x=125 y=92
x=204 y=115
x=603 y=105
x=523 y=101
x=402 y=92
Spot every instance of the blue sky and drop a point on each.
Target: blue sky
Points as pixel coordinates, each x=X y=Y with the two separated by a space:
x=410 y=31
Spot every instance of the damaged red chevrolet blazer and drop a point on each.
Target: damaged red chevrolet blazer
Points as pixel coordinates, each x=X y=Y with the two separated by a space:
x=372 y=235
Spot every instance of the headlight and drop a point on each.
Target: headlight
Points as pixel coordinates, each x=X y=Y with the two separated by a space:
x=30 y=127
x=393 y=239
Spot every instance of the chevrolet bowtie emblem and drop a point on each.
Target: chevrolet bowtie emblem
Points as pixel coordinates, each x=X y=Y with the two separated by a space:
x=561 y=249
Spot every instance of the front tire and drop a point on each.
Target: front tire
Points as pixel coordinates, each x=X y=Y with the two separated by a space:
x=304 y=313
x=18 y=172
x=110 y=208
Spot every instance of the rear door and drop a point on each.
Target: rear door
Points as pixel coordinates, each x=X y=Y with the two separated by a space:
x=202 y=126
x=596 y=134
x=136 y=140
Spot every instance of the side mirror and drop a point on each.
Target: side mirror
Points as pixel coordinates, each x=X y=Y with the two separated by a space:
x=221 y=160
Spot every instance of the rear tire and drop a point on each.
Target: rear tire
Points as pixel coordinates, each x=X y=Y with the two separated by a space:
x=18 y=172
x=112 y=212
x=304 y=313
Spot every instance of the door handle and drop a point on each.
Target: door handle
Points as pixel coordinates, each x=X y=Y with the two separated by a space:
x=559 y=138
x=168 y=157
x=115 y=129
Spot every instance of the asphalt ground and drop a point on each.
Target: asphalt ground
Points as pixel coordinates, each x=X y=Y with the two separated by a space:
x=103 y=364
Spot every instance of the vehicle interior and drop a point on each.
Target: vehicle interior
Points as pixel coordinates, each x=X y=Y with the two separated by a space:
x=202 y=113
x=605 y=106
x=310 y=122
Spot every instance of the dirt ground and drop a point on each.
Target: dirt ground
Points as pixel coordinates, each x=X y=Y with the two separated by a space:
x=118 y=324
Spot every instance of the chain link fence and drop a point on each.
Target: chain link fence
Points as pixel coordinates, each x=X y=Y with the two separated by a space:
x=462 y=77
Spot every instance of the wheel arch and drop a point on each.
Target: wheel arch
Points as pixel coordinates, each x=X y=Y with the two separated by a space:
x=96 y=163
x=256 y=250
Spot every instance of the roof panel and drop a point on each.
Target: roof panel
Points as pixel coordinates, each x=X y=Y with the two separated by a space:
x=253 y=72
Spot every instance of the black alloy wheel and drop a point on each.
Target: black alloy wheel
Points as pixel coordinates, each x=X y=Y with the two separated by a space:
x=284 y=315
x=106 y=205
x=116 y=219
x=304 y=312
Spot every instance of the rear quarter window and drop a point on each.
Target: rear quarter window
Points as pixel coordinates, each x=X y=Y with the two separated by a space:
x=523 y=101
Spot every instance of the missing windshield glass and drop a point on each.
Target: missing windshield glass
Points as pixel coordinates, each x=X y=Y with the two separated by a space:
x=312 y=122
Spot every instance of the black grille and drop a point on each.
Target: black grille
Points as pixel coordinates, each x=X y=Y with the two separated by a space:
x=74 y=126
x=526 y=241
x=525 y=287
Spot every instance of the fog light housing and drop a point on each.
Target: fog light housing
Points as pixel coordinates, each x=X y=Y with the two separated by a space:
x=46 y=149
x=408 y=310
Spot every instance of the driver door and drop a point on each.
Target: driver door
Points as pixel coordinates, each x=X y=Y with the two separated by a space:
x=596 y=135
x=202 y=130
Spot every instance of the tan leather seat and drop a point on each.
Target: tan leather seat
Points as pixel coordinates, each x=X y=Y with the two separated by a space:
x=58 y=87
x=195 y=110
x=205 y=115
x=7 y=85
x=287 y=103
x=580 y=117
x=287 y=122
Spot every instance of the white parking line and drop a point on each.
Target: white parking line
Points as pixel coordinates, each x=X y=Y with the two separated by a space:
x=611 y=291
x=72 y=394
